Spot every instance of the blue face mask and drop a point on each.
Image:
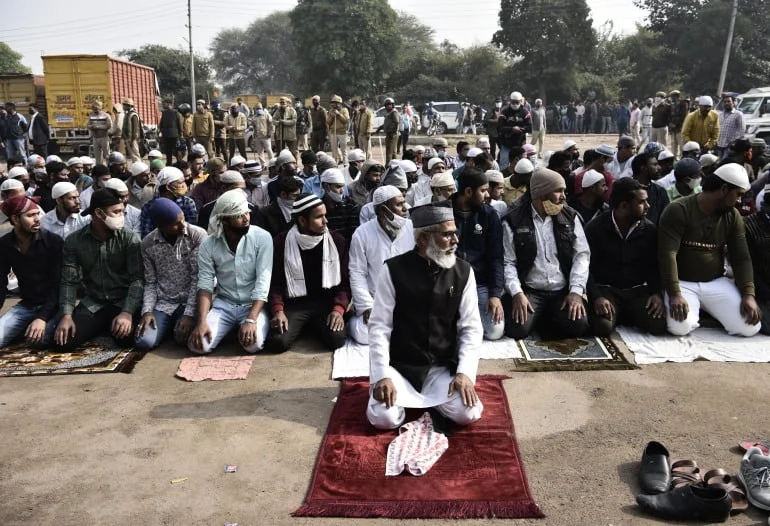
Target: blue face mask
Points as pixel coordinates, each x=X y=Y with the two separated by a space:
x=441 y=154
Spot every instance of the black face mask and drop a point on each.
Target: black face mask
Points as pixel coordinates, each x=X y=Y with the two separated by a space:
x=240 y=230
x=411 y=179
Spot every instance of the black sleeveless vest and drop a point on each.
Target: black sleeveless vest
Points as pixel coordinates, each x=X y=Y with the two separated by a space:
x=425 y=316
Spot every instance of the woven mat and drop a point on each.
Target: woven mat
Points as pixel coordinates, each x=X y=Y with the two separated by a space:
x=99 y=355
x=588 y=353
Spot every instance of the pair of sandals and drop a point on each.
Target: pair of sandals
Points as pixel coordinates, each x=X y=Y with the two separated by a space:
x=687 y=472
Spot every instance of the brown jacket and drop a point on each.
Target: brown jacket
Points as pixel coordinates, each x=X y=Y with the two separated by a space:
x=365 y=121
x=338 y=124
x=286 y=130
x=203 y=124
x=235 y=126
x=318 y=118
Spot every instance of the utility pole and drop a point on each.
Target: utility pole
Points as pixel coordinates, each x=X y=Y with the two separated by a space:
x=192 y=57
x=728 y=48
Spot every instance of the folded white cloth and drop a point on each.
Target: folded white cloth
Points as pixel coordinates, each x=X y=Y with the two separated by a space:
x=417 y=448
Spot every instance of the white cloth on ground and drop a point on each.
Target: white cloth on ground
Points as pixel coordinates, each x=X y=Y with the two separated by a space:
x=416 y=449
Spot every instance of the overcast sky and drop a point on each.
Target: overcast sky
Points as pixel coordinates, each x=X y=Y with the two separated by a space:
x=41 y=27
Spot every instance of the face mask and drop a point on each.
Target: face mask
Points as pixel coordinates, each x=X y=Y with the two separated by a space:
x=441 y=154
x=498 y=105
x=286 y=203
x=411 y=179
x=693 y=183
x=255 y=181
x=179 y=192
x=552 y=209
x=115 y=223
x=515 y=106
x=396 y=222
x=657 y=100
x=334 y=196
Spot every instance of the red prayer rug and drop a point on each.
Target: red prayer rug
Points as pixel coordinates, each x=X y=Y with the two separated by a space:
x=480 y=476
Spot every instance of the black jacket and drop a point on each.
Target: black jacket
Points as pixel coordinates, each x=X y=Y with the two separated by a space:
x=170 y=124
x=270 y=218
x=481 y=245
x=510 y=118
x=40 y=132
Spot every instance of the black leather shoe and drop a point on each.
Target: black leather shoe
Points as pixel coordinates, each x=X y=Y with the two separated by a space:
x=688 y=503
x=655 y=470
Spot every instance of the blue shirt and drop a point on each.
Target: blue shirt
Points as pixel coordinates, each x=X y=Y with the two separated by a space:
x=242 y=277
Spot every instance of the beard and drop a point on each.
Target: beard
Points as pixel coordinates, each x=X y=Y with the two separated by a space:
x=442 y=258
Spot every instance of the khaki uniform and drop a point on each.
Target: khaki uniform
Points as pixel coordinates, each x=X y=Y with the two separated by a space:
x=263 y=133
x=365 y=127
x=203 y=130
x=286 y=129
x=390 y=127
x=320 y=129
x=236 y=127
x=100 y=125
x=131 y=134
x=338 y=133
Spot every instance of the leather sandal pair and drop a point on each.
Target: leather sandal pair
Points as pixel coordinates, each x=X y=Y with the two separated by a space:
x=678 y=491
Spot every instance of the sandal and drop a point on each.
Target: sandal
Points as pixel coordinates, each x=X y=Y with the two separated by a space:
x=719 y=478
x=763 y=445
x=684 y=472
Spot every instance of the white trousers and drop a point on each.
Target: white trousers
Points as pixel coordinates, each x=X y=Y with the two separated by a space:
x=383 y=418
x=718 y=297
x=358 y=330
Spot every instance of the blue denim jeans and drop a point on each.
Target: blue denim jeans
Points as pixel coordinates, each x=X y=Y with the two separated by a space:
x=492 y=331
x=16 y=148
x=505 y=157
x=224 y=317
x=153 y=337
x=14 y=323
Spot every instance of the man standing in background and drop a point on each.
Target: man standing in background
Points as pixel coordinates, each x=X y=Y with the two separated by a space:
x=203 y=127
x=100 y=124
x=318 y=123
x=170 y=129
x=132 y=130
x=538 y=126
x=365 y=128
x=38 y=131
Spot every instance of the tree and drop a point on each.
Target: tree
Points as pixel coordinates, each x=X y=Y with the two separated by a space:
x=553 y=41
x=172 y=69
x=260 y=59
x=345 y=46
x=10 y=60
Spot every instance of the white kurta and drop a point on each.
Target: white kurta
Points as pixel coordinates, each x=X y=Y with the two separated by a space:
x=369 y=248
x=436 y=386
x=419 y=190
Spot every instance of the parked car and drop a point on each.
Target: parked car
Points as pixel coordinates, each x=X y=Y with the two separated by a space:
x=448 y=112
x=755 y=106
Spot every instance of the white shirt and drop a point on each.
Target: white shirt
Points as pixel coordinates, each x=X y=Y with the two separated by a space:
x=133 y=219
x=667 y=181
x=620 y=170
x=85 y=197
x=500 y=207
x=31 y=123
x=434 y=391
x=419 y=190
x=635 y=117
x=51 y=223
x=646 y=117
x=369 y=248
x=580 y=109
x=546 y=274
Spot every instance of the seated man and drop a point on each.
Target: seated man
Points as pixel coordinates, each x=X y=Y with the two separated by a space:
x=442 y=186
x=395 y=176
x=230 y=180
x=590 y=201
x=687 y=175
x=420 y=192
x=107 y=258
x=645 y=169
x=101 y=174
x=35 y=257
x=480 y=243
x=141 y=184
x=133 y=214
x=310 y=287
x=373 y=243
x=276 y=217
x=425 y=330
x=758 y=240
x=516 y=185
x=546 y=260
x=368 y=181
x=341 y=211
x=624 y=284
x=171 y=185
x=237 y=257
x=495 y=199
x=693 y=234
x=312 y=184
x=170 y=257
x=65 y=218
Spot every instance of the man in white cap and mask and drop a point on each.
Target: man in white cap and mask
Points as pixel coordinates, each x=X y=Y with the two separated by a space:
x=256 y=183
x=373 y=243
x=310 y=288
x=702 y=125
x=171 y=185
x=592 y=200
x=442 y=186
x=235 y=261
x=65 y=218
x=230 y=180
x=420 y=192
x=514 y=124
x=424 y=352
x=141 y=185
x=546 y=262
x=518 y=183
x=694 y=232
x=341 y=211
x=133 y=214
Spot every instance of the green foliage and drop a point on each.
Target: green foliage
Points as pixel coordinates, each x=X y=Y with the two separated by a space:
x=347 y=45
x=10 y=60
x=260 y=59
x=172 y=68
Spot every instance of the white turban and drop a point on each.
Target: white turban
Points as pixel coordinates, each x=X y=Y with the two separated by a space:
x=229 y=204
x=74 y=161
x=15 y=184
x=441 y=180
x=332 y=176
x=63 y=188
x=116 y=184
x=52 y=158
x=285 y=157
x=384 y=194
x=231 y=177
x=16 y=171
x=169 y=175
x=236 y=160
x=434 y=161
x=407 y=166
x=705 y=100
x=590 y=178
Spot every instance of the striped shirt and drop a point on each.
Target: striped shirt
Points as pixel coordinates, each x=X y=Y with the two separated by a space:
x=730 y=127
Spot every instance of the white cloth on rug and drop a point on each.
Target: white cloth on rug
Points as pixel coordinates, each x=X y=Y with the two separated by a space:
x=704 y=344
x=416 y=449
x=331 y=274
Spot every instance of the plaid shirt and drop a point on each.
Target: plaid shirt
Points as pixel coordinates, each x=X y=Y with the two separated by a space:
x=730 y=127
x=185 y=203
x=111 y=270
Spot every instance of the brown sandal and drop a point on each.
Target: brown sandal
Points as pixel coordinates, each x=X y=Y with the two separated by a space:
x=719 y=478
x=684 y=473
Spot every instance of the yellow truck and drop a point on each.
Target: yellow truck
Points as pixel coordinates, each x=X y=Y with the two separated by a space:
x=23 y=90
x=73 y=82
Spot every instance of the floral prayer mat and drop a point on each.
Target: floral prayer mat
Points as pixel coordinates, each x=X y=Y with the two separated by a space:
x=481 y=475
x=589 y=353
x=99 y=355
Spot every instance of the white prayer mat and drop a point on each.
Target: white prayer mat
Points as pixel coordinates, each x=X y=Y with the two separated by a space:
x=702 y=344
x=352 y=360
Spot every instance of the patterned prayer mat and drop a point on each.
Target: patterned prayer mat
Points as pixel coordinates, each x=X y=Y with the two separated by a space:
x=589 y=353
x=481 y=475
x=99 y=355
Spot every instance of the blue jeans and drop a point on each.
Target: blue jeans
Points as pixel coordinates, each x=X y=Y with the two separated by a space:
x=16 y=147
x=14 y=323
x=492 y=330
x=505 y=157
x=153 y=337
x=224 y=317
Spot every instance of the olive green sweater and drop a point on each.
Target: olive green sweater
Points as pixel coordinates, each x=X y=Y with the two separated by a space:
x=692 y=245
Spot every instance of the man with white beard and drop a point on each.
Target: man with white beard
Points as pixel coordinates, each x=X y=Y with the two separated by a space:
x=425 y=329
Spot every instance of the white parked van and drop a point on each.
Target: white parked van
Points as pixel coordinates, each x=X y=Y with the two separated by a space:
x=755 y=106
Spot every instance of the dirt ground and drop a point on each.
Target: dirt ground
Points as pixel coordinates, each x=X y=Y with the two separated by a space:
x=102 y=449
